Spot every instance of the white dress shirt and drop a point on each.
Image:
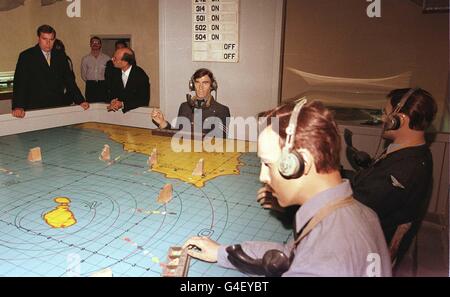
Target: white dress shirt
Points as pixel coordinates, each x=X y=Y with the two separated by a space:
x=125 y=75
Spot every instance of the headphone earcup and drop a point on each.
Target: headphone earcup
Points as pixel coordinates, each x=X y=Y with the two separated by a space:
x=291 y=165
x=191 y=85
x=393 y=122
x=214 y=86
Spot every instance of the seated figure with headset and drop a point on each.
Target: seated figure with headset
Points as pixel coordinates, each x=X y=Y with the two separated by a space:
x=397 y=184
x=335 y=235
x=202 y=105
x=130 y=87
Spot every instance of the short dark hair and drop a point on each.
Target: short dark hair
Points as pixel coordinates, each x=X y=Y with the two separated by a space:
x=121 y=41
x=316 y=131
x=46 y=29
x=202 y=72
x=129 y=57
x=95 y=38
x=420 y=107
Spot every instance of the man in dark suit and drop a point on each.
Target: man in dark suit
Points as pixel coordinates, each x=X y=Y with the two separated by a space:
x=130 y=86
x=42 y=76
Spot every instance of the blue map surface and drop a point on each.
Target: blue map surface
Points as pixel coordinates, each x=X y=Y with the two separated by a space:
x=119 y=223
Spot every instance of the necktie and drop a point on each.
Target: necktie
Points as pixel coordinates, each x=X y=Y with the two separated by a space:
x=47 y=57
x=124 y=79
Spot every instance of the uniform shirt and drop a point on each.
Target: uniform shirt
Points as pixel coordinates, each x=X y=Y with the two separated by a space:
x=348 y=242
x=213 y=118
x=397 y=187
x=93 y=68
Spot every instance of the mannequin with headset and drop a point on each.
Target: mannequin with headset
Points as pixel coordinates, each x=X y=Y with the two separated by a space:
x=299 y=153
x=391 y=121
x=200 y=105
x=397 y=183
x=130 y=87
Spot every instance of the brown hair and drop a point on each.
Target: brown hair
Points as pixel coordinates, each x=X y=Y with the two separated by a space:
x=202 y=72
x=316 y=131
x=46 y=29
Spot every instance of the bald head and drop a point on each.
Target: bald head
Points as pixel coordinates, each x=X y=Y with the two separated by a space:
x=123 y=58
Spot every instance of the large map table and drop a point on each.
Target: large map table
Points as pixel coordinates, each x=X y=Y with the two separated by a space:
x=116 y=222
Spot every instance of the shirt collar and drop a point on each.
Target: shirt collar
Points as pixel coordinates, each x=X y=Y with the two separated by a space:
x=127 y=72
x=313 y=205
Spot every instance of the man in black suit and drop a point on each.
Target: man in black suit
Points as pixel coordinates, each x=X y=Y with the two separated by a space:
x=130 y=86
x=42 y=76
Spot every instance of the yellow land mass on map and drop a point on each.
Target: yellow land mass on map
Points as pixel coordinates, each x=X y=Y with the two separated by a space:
x=175 y=164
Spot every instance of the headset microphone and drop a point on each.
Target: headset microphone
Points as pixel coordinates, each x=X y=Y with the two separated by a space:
x=198 y=103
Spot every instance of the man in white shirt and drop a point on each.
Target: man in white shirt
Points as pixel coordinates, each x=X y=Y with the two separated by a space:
x=93 y=72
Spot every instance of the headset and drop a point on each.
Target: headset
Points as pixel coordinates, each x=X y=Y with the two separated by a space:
x=291 y=164
x=273 y=264
x=391 y=123
x=393 y=120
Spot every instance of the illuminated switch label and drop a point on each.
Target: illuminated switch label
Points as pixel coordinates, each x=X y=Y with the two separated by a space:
x=215 y=31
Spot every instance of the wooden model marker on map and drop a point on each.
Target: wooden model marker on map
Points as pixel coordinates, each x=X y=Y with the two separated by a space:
x=106 y=153
x=153 y=159
x=165 y=195
x=199 y=169
x=177 y=263
x=35 y=155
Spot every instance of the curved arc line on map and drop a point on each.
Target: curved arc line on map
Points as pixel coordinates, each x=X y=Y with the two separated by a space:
x=59 y=239
x=160 y=226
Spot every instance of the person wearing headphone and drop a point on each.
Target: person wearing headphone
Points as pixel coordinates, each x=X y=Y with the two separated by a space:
x=212 y=113
x=130 y=87
x=397 y=185
x=335 y=235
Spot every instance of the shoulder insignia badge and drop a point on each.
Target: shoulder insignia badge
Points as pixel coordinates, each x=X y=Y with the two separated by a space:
x=396 y=183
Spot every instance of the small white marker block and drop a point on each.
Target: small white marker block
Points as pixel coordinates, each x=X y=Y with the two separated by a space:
x=106 y=153
x=35 y=155
x=153 y=159
x=199 y=169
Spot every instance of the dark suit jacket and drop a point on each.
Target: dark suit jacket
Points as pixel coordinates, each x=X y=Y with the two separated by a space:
x=137 y=91
x=37 y=85
x=109 y=74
